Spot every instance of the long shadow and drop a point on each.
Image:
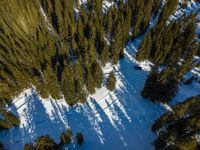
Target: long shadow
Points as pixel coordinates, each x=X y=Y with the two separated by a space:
x=93 y=120
x=130 y=120
x=33 y=111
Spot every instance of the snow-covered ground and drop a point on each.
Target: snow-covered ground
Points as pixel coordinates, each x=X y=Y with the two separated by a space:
x=108 y=120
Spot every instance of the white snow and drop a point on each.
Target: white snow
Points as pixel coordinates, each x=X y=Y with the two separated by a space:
x=107 y=41
x=107 y=5
x=49 y=26
x=166 y=106
x=58 y=107
x=198 y=138
x=196 y=71
x=145 y=65
x=82 y=2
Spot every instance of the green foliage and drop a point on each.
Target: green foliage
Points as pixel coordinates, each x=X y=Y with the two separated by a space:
x=79 y=138
x=98 y=74
x=45 y=45
x=90 y=81
x=161 y=87
x=111 y=81
x=178 y=129
x=168 y=9
x=68 y=85
x=9 y=120
x=166 y=45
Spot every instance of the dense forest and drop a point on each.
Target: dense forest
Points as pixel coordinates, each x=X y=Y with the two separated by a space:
x=48 y=45
x=59 y=47
x=172 y=48
x=180 y=128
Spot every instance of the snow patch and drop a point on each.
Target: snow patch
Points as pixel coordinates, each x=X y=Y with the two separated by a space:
x=191 y=6
x=107 y=5
x=198 y=137
x=166 y=106
x=49 y=26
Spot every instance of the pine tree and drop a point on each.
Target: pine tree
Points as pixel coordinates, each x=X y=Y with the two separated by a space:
x=90 y=82
x=179 y=130
x=98 y=74
x=161 y=87
x=68 y=85
x=79 y=138
x=111 y=81
x=81 y=93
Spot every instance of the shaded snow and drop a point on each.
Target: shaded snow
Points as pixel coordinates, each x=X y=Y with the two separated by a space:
x=118 y=117
x=109 y=120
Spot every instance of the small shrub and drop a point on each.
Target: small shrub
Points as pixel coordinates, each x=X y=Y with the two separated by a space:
x=79 y=138
x=66 y=137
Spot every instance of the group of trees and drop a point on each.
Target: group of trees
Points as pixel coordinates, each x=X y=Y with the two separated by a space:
x=48 y=45
x=47 y=143
x=179 y=129
x=172 y=45
x=160 y=86
x=66 y=137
